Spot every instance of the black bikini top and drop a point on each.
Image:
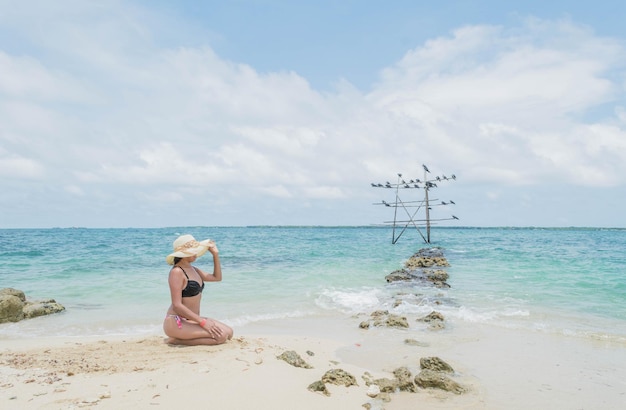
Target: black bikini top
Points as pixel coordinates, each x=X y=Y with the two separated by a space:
x=193 y=288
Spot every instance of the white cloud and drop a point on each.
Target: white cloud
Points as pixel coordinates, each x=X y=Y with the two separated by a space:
x=326 y=192
x=278 y=191
x=74 y=190
x=101 y=106
x=26 y=77
x=16 y=167
x=288 y=140
x=513 y=100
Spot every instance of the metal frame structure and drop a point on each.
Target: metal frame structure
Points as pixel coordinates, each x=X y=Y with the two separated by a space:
x=401 y=225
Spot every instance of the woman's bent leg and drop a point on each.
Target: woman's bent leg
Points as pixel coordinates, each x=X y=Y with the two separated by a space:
x=189 y=333
x=227 y=331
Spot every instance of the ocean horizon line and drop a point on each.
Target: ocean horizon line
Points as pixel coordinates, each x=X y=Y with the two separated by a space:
x=433 y=227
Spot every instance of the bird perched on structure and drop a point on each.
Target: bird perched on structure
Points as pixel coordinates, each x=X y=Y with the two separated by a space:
x=453 y=176
x=452 y=202
x=426 y=168
x=454 y=217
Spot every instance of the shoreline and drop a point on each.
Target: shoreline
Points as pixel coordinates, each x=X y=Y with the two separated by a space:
x=520 y=363
x=502 y=368
x=145 y=372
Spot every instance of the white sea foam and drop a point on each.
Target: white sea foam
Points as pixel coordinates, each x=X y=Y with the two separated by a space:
x=470 y=315
x=247 y=319
x=352 y=301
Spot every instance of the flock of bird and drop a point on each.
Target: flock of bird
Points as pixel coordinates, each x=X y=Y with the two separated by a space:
x=414 y=183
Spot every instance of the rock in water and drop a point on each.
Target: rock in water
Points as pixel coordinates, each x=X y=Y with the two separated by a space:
x=11 y=308
x=46 y=307
x=14 y=306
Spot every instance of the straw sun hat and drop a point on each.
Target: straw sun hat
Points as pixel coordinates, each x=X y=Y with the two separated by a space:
x=186 y=245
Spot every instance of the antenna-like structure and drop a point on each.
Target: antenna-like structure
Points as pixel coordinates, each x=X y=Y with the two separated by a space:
x=411 y=208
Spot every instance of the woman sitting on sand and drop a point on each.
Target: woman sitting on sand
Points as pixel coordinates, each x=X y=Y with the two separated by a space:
x=183 y=323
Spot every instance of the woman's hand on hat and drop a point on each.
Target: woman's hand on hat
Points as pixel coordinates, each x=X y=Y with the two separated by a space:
x=213 y=248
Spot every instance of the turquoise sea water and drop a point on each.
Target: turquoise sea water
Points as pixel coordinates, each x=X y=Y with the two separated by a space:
x=114 y=281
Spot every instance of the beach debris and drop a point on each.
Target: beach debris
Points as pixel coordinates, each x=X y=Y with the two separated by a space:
x=434 y=319
x=14 y=306
x=433 y=375
x=386 y=385
x=373 y=391
x=294 y=359
x=395 y=321
x=436 y=364
x=432 y=379
x=88 y=402
x=339 y=377
x=403 y=378
x=413 y=342
x=384 y=318
x=319 y=386
x=400 y=382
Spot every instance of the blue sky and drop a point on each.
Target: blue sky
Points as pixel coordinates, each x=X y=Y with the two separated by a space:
x=159 y=113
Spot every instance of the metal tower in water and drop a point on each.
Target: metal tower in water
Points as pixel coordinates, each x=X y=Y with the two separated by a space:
x=411 y=208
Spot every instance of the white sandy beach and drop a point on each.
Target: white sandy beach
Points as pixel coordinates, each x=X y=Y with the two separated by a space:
x=502 y=369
